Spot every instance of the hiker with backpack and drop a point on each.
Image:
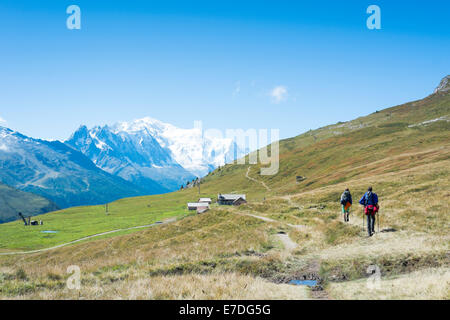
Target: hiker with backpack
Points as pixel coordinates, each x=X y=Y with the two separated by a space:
x=370 y=202
x=346 y=202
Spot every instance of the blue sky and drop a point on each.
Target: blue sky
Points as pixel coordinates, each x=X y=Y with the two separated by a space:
x=290 y=65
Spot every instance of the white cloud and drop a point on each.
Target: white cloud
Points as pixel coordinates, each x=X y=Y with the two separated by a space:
x=237 y=88
x=278 y=94
x=2 y=120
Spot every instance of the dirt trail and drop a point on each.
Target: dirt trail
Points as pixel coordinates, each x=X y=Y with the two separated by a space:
x=261 y=218
x=86 y=238
x=257 y=181
x=288 y=244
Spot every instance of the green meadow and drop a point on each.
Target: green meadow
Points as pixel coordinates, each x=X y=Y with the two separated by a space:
x=78 y=222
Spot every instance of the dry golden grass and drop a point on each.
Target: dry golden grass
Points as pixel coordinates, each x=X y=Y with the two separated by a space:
x=230 y=286
x=423 y=284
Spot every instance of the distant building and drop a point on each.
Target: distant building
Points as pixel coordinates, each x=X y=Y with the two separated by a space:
x=196 y=205
x=231 y=199
x=205 y=200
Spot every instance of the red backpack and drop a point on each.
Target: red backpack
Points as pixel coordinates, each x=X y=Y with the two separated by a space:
x=370 y=209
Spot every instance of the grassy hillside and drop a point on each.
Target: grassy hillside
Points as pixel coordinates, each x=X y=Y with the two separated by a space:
x=13 y=201
x=347 y=150
x=287 y=231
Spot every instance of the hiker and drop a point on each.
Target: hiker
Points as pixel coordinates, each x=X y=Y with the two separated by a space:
x=346 y=202
x=370 y=202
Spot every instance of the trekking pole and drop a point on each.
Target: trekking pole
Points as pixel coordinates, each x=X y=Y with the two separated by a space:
x=363 y=221
x=379 y=221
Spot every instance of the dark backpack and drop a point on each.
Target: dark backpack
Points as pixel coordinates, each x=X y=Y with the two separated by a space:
x=345 y=198
x=368 y=198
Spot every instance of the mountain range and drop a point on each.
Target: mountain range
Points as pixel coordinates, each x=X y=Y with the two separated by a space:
x=148 y=150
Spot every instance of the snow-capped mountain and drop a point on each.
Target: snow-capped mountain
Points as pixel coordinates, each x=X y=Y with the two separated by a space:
x=150 y=149
x=59 y=173
x=191 y=148
x=134 y=156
